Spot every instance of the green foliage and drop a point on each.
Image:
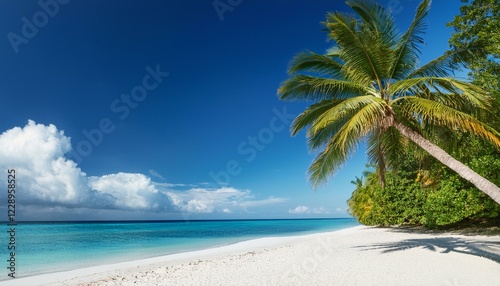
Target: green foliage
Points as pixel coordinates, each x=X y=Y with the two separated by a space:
x=399 y=202
x=406 y=208
x=419 y=189
x=479 y=24
x=422 y=191
x=455 y=202
x=488 y=166
x=361 y=202
x=369 y=87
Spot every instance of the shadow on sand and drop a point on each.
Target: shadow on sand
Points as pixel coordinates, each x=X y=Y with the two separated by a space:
x=489 y=249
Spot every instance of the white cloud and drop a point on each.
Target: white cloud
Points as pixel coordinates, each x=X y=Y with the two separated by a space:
x=156 y=174
x=320 y=210
x=307 y=210
x=225 y=199
x=130 y=191
x=299 y=210
x=200 y=200
x=36 y=152
x=170 y=185
x=47 y=179
x=259 y=203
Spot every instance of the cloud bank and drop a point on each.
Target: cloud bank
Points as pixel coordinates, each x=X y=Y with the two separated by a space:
x=200 y=200
x=47 y=178
x=307 y=210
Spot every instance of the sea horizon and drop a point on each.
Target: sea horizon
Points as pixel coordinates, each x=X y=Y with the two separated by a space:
x=53 y=246
x=165 y=220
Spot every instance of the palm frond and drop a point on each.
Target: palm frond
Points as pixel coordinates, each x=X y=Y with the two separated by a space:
x=408 y=48
x=424 y=110
x=387 y=145
x=304 y=87
x=311 y=114
x=380 y=34
x=375 y=153
x=348 y=108
x=360 y=124
x=344 y=142
x=327 y=163
x=330 y=120
x=316 y=63
x=449 y=91
x=448 y=63
x=376 y=19
x=321 y=138
x=355 y=46
x=304 y=120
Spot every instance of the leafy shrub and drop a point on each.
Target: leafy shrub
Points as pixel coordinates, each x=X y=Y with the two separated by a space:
x=455 y=202
x=398 y=203
x=405 y=200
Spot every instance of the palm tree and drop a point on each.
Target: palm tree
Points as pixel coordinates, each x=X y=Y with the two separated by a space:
x=358 y=182
x=361 y=201
x=369 y=87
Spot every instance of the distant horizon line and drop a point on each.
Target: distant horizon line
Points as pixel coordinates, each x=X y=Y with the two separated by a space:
x=175 y=220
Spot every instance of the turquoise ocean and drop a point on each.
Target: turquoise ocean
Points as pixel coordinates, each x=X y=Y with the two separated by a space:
x=45 y=247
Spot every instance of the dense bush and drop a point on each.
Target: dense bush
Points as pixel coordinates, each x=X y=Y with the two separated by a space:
x=435 y=197
x=407 y=208
x=454 y=202
x=400 y=201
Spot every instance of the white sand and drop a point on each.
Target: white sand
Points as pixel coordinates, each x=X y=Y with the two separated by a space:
x=355 y=256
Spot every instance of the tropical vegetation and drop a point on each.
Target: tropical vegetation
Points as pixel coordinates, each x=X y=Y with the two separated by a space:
x=422 y=191
x=414 y=119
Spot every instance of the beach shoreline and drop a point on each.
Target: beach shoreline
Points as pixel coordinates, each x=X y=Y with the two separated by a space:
x=357 y=255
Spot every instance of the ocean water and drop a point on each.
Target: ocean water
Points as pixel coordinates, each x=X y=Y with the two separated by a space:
x=44 y=247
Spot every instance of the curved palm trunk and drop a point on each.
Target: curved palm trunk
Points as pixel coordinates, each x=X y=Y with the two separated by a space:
x=465 y=172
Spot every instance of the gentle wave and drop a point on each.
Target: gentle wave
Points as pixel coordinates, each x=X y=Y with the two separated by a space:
x=58 y=246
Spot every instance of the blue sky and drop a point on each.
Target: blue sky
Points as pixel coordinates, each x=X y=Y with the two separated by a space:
x=167 y=109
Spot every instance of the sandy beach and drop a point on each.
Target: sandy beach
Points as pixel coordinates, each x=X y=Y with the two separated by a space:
x=354 y=256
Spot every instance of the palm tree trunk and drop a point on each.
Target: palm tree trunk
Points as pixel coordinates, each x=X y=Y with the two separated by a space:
x=465 y=172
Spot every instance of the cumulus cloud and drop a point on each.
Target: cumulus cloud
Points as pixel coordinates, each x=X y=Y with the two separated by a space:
x=202 y=200
x=37 y=152
x=299 y=210
x=131 y=191
x=258 y=203
x=306 y=210
x=320 y=210
x=48 y=179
